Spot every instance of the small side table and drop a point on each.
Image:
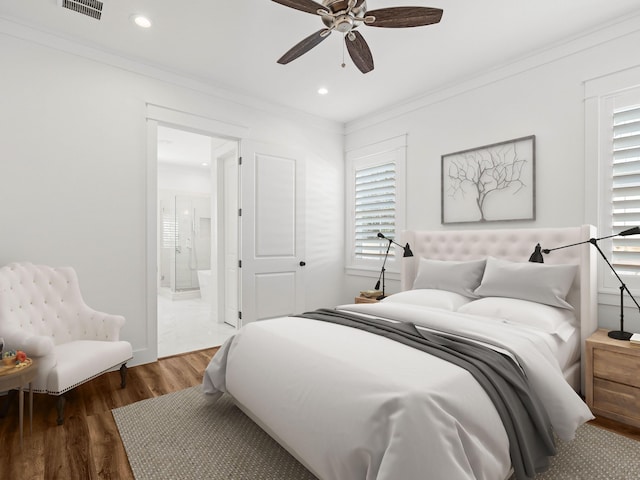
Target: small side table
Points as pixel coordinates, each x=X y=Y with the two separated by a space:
x=18 y=378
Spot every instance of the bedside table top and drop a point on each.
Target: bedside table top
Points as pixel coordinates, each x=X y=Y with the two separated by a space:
x=601 y=338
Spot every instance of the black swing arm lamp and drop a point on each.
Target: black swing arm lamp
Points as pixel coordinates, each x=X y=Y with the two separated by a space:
x=536 y=256
x=406 y=253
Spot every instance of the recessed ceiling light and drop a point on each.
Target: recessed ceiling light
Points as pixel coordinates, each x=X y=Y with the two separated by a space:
x=141 y=20
x=323 y=91
x=204 y=164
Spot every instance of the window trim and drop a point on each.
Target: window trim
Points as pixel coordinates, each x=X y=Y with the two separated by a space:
x=394 y=150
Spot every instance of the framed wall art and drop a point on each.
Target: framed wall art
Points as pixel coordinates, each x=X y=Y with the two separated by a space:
x=491 y=183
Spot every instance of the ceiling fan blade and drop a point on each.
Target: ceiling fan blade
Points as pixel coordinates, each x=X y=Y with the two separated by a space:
x=304 y=46
x=308 y=6
x=401 y=17
x=359 y=51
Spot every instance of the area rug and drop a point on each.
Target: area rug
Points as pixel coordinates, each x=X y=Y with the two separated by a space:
x=183 y=435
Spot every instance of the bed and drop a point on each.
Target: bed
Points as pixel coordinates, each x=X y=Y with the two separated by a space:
x=351 y=404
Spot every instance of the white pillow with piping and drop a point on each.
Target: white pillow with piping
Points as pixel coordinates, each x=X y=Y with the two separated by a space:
x=427 y=297
x=453 y=276
x=536 y=282
x=552 y=320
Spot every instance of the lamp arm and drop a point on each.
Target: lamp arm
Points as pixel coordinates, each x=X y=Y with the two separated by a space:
x=381 y=276
x=591 y=240
x=594 y=242
x=395 y=243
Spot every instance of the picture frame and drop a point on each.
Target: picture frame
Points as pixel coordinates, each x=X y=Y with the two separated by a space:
x=492 y=183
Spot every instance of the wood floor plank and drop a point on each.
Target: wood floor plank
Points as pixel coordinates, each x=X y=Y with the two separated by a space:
x=109 y=458
x=87 y=445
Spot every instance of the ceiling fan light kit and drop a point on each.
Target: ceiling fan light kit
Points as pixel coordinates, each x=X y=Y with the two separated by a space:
x=345 y=16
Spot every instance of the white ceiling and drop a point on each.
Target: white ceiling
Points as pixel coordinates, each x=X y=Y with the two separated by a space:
x=234 y=44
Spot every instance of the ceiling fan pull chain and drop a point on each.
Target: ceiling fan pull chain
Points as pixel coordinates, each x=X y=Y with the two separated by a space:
x=343 y=47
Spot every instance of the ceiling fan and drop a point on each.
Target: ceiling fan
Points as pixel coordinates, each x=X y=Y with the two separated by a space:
x=345 y=16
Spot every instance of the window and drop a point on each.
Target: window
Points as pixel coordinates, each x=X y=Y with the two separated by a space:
x=625 y=187
x=375 y=202
x=374 y=210
x=612 y=116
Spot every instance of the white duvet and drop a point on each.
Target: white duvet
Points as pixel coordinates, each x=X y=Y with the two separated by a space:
x=352 y=405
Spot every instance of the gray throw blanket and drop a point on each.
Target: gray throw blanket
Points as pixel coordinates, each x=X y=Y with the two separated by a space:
x=524 y=417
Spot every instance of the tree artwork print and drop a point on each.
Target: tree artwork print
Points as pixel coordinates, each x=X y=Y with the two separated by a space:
x=491 y=183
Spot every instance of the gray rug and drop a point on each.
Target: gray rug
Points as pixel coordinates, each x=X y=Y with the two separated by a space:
x=183 y=435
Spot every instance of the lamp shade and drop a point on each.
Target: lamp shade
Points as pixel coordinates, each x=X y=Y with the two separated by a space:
x=536 y=256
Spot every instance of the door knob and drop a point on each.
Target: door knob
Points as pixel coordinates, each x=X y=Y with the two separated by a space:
x=302 y=263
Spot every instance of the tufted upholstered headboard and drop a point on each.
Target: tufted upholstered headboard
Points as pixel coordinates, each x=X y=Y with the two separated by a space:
x=516 y=245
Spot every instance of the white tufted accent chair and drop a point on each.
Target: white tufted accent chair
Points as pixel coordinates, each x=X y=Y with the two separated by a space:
x=42 y=313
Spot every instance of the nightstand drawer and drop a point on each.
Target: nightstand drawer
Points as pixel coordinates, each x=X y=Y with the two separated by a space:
x=616 y=398
x=616 y=367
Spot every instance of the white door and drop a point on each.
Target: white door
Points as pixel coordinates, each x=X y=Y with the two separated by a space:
x=272 y=232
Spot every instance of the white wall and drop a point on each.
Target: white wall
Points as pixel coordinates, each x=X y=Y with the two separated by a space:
x=183 y=179
x=73 y=170
x=541 y=95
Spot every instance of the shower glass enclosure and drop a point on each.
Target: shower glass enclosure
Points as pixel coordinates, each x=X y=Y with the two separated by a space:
x=185 y=239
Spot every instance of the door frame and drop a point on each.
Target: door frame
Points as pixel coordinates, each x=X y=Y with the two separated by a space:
x=170 y=117
x=229 y=153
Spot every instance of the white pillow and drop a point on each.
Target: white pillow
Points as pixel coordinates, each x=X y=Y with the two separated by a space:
x=536 y=282
x=429 y=298
x=453 y=276
x=552 y=320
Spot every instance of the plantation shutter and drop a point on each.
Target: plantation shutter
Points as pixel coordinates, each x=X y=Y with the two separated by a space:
x=626 y=189
x=375 y=210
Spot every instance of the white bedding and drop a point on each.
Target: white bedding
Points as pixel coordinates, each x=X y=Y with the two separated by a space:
x=353 y=405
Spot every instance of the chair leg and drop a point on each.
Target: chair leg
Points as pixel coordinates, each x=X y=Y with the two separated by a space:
x=123 y=375
x=60 y=408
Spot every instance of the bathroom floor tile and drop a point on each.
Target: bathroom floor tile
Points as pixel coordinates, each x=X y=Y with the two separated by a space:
x=188 y=325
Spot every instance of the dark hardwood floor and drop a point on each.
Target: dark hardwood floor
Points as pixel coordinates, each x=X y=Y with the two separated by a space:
x=87 y=445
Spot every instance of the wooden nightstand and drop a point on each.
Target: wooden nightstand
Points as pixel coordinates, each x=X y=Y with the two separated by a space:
x=612 y=383
x=365 y=300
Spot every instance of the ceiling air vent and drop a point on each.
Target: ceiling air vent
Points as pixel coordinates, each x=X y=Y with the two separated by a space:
x=90 y=8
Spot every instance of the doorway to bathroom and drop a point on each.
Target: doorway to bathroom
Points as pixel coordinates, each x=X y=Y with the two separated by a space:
x=193 y=235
